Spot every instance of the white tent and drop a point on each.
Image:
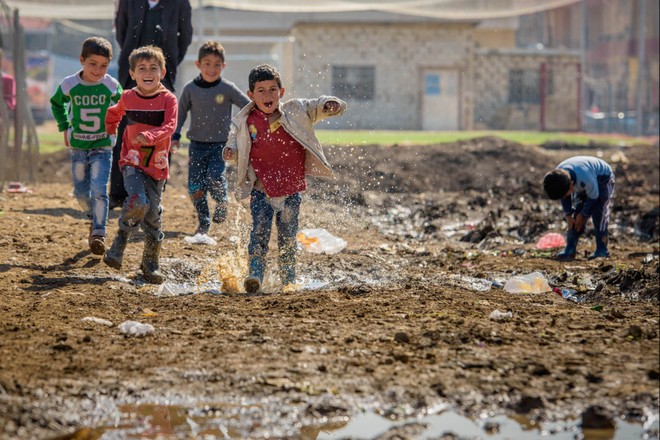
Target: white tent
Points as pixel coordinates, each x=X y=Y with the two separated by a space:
x=446 y=9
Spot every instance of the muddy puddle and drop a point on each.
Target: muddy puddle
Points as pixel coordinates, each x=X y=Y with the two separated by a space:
x=264 y=419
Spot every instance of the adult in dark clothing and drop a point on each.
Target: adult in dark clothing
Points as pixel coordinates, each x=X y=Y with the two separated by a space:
x=163 y=23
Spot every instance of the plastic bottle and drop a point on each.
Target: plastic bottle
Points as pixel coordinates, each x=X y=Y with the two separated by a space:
x=569 y=294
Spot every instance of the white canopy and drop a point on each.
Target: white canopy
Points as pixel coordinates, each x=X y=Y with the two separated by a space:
x=443 y=9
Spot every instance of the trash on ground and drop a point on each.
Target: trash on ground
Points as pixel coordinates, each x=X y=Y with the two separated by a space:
x=135 y=328
x=97 y=320
x=18 y=187
x=172 y=289
x=569 y=294
x=533 y=282
x=200 y=239
x=496 y=315
x=551 y=240
x=320 y=241
x=470 y=283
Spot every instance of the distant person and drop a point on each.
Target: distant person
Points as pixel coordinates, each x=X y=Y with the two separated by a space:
x=585 y=186
x=166 y=24
x=151 y=112
x=8 y=87
x=79 y=106
x=209 y=98
x=275 y=147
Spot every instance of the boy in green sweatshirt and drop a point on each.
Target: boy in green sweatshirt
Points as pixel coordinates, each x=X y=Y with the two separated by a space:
x=79 y=106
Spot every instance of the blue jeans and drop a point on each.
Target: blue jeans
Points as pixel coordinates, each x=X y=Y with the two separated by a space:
x=206 y=174
x=142 y=205
x=262 y=223
x=90 y=170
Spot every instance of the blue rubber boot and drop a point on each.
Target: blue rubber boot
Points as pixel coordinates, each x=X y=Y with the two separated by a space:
x=255 y=278
x=601 y=246
x=568 y=254
x=287 y=274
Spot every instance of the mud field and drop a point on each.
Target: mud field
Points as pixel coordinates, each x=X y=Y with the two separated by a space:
x=394 y=325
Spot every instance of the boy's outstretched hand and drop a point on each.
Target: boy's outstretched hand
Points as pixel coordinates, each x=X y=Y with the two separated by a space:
x=331 y=107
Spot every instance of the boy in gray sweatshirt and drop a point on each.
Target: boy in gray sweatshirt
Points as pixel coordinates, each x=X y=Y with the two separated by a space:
x=209 y=99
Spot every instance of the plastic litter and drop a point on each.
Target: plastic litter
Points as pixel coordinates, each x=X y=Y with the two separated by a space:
x=551 y=240
x=135 y=328
x=320 y=241
x=496 y=315
x=96 y=320
x=469 y=283
x=200 y=239
x=18 y=187
x=534 y=282
x=569 y=294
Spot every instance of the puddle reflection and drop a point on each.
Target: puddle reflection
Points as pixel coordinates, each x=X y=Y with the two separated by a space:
x=170 y=422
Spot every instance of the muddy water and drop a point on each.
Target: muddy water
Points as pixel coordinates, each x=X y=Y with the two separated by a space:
x=256 y=420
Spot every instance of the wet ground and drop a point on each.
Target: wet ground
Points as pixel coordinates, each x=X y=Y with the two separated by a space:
x=399 y=325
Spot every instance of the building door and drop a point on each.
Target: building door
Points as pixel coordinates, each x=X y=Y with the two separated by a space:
x=440 y=109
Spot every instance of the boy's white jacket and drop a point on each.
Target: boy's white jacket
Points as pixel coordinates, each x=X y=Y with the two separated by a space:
x=298 y=117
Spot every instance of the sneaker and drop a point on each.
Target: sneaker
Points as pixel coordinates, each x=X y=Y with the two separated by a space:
x=97 y=244
x=252 y=284
x=220 y=214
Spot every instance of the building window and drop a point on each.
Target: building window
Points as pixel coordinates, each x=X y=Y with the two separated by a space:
x=354 y=82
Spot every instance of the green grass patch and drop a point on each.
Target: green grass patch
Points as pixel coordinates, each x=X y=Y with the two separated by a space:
x=386 y=137
x=51 y=141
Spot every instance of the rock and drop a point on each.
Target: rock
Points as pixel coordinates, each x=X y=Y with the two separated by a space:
x=595 y=418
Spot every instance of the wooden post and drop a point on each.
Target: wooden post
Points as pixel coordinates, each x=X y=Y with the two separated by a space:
x=4 y=138
x=21 y=103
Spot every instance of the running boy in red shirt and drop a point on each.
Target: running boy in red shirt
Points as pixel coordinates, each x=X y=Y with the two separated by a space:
x=275 y=147
x=151 y=112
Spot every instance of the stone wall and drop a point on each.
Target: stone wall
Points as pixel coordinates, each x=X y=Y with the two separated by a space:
x=493 y=108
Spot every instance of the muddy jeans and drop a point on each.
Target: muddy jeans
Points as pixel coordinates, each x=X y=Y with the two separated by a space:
x=286 y=221
x=142 y=206
x=206 y=174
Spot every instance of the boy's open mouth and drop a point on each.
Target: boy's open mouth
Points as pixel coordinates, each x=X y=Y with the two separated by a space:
x=268 y=104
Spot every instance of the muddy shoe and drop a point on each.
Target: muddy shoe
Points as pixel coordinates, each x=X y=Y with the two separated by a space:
x=252 y=284
x=97 y=244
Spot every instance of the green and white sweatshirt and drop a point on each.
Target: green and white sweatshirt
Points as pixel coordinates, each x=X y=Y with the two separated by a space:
x=80 y=106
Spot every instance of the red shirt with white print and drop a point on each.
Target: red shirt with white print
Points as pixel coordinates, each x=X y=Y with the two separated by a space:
x=153 y=116
x=277 y=158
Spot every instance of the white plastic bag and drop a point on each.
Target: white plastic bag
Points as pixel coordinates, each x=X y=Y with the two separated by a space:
x=320 y=241
x=530 y=283
x=135 y=328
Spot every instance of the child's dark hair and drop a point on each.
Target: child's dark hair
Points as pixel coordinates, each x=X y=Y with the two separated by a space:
x=146 y=53
x=557 y=183
x=211 y=48
x=96 y=46
x=263 y=72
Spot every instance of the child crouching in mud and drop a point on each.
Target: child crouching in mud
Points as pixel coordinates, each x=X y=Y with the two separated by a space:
x=585 y=186
x=275 y=147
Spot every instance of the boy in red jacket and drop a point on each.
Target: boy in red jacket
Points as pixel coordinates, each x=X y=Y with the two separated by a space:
x=151 y=112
